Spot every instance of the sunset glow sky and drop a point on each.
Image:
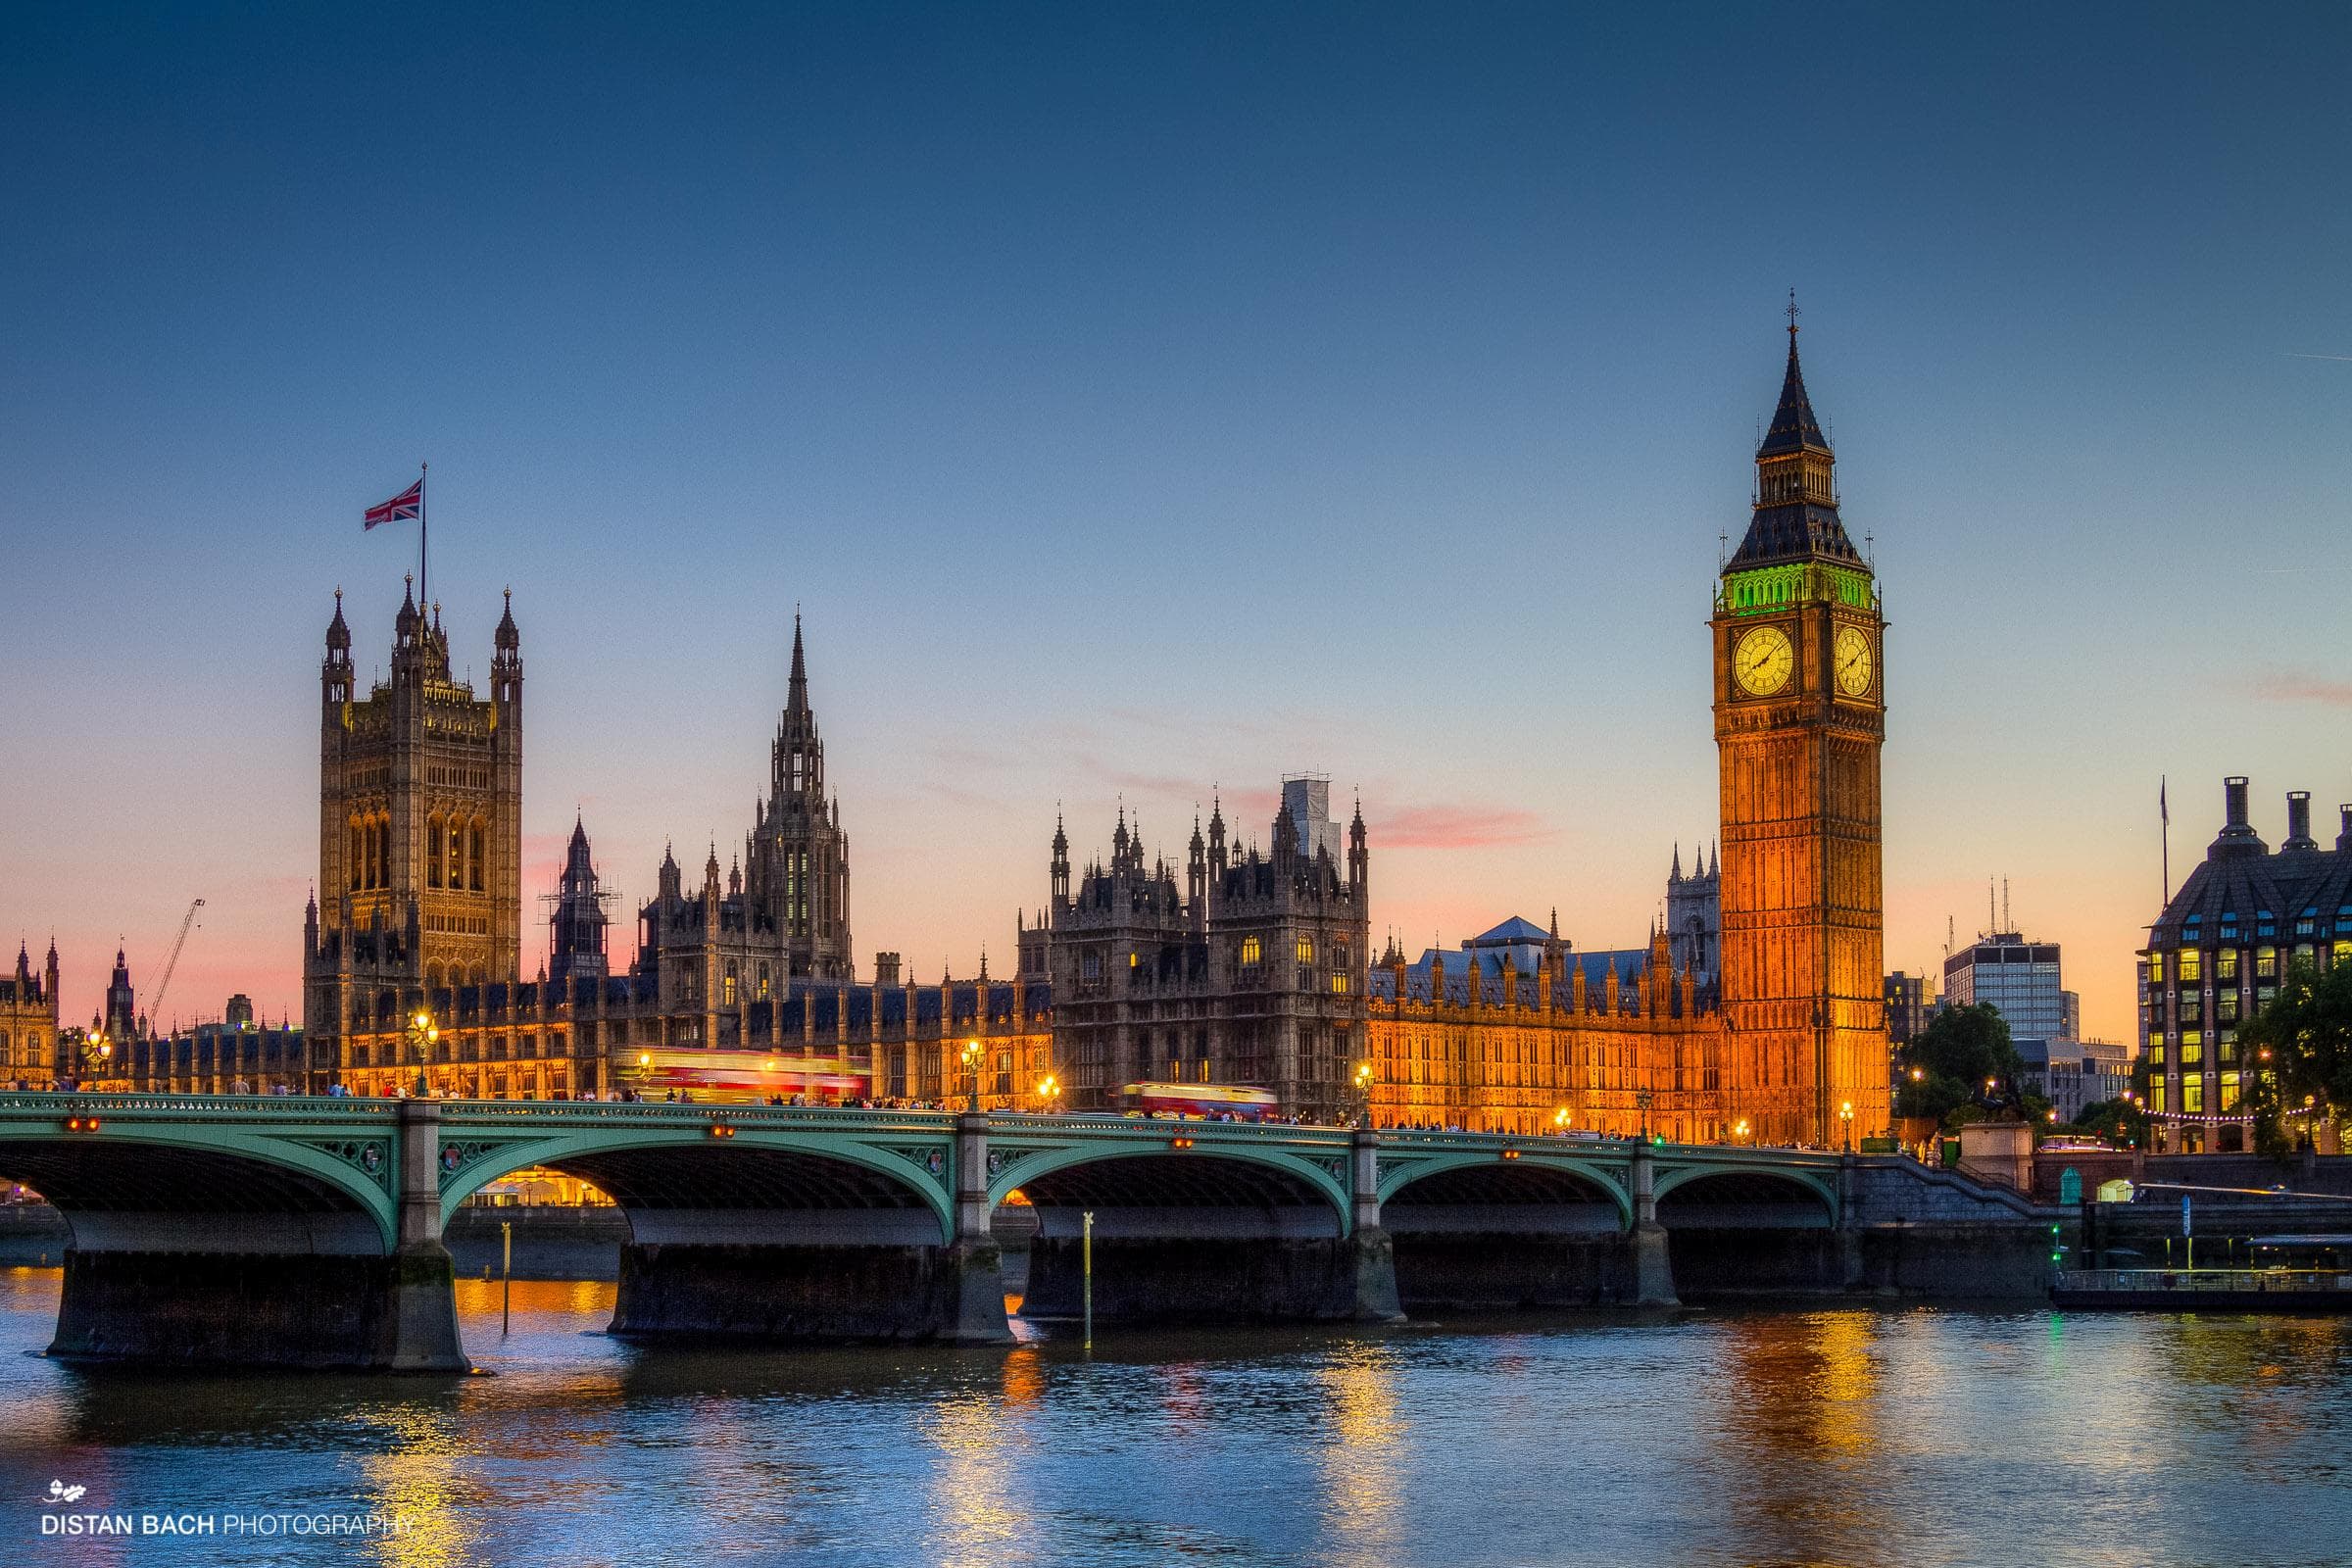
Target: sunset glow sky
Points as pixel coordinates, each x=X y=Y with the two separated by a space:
x=1145 y=399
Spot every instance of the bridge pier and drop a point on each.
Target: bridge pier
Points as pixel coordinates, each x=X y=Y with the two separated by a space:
x=423 y=1305
x=1374 y=1253
x=826 y=1276
x=310 y=1290
x=1653 y=1263
x=1243 y=1247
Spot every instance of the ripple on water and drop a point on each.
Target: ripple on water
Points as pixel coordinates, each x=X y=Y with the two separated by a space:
x=1853 y=1436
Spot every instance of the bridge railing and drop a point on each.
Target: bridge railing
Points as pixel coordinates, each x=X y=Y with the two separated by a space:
x=301 y=1107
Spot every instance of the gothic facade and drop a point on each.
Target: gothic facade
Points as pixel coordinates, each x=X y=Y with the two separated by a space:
x=419 y=832
x=1800 y=718
x=1756 y=1012
x=1252 y=973
x=1518 y=1028
x=28 y=1023
x=1753 y=1012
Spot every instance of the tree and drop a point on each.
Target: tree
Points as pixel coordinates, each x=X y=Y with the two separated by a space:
x=2118 y=1121
x=2300 y=1050
x=1946 y=1064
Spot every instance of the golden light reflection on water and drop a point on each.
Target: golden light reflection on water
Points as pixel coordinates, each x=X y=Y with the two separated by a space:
x=974 y=1514
x=413 y=1479
x=1800 y=1409
x=1362 y=1463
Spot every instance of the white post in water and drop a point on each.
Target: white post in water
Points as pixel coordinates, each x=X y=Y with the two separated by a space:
x=1086 y=1271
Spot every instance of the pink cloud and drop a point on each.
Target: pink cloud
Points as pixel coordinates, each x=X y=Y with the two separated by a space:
x=1457 y=827
x=2281 y=687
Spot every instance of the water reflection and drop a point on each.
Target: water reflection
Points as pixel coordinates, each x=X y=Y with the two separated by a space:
x=1798 y=1407
x=1363 y=1458
x=413 y=1476
x=1848 y=1436
x=973 y=1514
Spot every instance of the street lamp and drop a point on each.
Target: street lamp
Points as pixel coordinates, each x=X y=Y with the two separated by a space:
x=1048 y=1091
x=973 y=1054
x=1642 y=1103
x=1363 y=1090
x=1739 y=1128
x=96 y=1050
x=1845 y=1114
x=1560 y=1118
x=421 y=1034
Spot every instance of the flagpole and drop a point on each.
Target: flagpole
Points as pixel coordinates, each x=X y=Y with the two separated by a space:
x=2164 y=810
x=424 y=591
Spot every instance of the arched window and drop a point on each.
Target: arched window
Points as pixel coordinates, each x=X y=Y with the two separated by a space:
x=352 y=846
x=1252 y=952
x=473 y=858
x=383 y=852
x=432 y=853
x=729 y=998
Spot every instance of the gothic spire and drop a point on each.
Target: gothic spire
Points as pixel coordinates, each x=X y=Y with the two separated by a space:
x=1793 y=424
x=1796 y=494
x=797 y=700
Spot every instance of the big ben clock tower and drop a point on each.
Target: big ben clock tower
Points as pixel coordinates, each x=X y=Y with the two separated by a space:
x=1799 y=717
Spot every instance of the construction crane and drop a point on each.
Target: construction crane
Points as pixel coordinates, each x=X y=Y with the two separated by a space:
x=154 y=1004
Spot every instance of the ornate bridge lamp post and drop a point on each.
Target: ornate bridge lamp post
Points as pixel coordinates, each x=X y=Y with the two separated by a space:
x=1049 y=1094
x=420 y=1035
x=1845 y=1115
x=1642 y=1100
x=97 y=1055
x=1559 y=1121
x=973 y=1056
x=1363 y=1093
x=1739 y=1129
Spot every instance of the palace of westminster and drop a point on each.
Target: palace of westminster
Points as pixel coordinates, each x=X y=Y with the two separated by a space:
x=1753 y=1010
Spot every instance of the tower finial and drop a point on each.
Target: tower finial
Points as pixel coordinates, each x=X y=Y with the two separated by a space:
x=1792 y=315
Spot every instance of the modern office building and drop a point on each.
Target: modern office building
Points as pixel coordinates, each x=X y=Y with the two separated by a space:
x=2019 y=978
x=2074 y=1073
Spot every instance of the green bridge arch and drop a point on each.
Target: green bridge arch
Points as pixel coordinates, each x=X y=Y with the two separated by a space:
x=1027 y=1165
x=1410 y=1170
x=482 y=1159
x=356 y=1162
x=1680 y=1174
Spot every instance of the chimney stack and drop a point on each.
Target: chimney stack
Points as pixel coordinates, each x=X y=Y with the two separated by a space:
x=2298 y=821
x=2237 y=835
x=2343 y=837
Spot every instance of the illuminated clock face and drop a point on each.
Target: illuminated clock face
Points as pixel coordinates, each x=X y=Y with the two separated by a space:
x=1762 y=660
x=1853 y=661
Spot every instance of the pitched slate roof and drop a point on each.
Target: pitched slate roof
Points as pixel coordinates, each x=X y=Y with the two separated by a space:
x=1793 y=424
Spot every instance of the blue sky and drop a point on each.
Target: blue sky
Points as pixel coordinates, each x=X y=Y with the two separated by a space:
x=1145 y=397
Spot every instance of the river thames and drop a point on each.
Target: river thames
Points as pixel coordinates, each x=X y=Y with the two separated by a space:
x=1836 y=1436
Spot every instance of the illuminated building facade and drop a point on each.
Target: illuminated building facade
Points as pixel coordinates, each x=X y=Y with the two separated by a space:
x=419 y=832
x=28 y=1033
x=1799 y=719
x=1758 y=1012
x=2216 y=955
x=1516 y=1028
x=1254 y=975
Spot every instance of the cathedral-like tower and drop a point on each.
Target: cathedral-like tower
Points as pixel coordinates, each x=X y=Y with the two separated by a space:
x=1800 y=718
x=419 y=812
x=798 y=859
x=577 y=948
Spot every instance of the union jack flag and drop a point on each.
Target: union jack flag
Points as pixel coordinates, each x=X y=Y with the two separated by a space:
x=402 y=508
